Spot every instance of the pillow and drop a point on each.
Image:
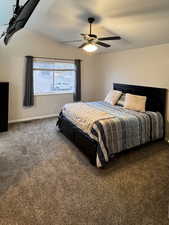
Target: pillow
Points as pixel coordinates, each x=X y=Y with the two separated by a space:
x=121 y=100
x=113 y=96
x=135 y=102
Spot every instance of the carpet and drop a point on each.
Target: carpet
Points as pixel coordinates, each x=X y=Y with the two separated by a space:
x=45 y=180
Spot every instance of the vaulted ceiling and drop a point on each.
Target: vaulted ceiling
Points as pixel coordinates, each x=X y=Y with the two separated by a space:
x=139 y=23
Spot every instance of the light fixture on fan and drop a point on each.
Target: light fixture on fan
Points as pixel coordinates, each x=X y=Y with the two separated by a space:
x=91 y=41
x=90 y=47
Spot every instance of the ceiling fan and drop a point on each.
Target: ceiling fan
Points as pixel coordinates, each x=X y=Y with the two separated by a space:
x=92 y=40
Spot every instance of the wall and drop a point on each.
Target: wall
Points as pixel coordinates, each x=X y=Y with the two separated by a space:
x=146 y=66
x=12 y=69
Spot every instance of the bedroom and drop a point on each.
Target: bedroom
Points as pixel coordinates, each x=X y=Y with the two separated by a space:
x=44 y=178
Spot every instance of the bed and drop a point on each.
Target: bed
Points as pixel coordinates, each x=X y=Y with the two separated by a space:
x=123 y=129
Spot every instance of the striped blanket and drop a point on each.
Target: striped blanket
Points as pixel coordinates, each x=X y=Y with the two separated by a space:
x=113 y=127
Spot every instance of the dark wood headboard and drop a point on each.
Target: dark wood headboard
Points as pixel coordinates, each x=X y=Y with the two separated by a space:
x=156 y=97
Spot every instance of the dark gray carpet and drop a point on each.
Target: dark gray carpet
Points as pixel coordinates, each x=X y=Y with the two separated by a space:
x=45 y=180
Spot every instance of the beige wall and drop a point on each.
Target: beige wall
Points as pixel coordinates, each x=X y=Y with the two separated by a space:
x=146 y=66
x=12 y=69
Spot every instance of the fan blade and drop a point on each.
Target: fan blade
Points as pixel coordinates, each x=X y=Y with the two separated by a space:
x=103 y=44
x=83 y=34
x=81 y=46
x=109 y=38
x=71 y=41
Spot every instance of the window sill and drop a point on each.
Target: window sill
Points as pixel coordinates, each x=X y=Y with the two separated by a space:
x=57 y=93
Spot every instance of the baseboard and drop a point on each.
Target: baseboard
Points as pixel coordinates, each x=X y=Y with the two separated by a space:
x=33 y=118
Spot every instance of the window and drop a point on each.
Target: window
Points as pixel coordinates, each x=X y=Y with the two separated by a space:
x=53 y=77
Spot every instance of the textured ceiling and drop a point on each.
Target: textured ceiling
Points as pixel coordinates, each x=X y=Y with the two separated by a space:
x=139 y=23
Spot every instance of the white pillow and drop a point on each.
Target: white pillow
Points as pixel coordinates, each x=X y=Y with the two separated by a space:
x=135 y=102
x=113 y=96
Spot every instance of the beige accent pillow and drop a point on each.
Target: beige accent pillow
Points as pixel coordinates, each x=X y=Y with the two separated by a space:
x=135 y=102
x=113 y=96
